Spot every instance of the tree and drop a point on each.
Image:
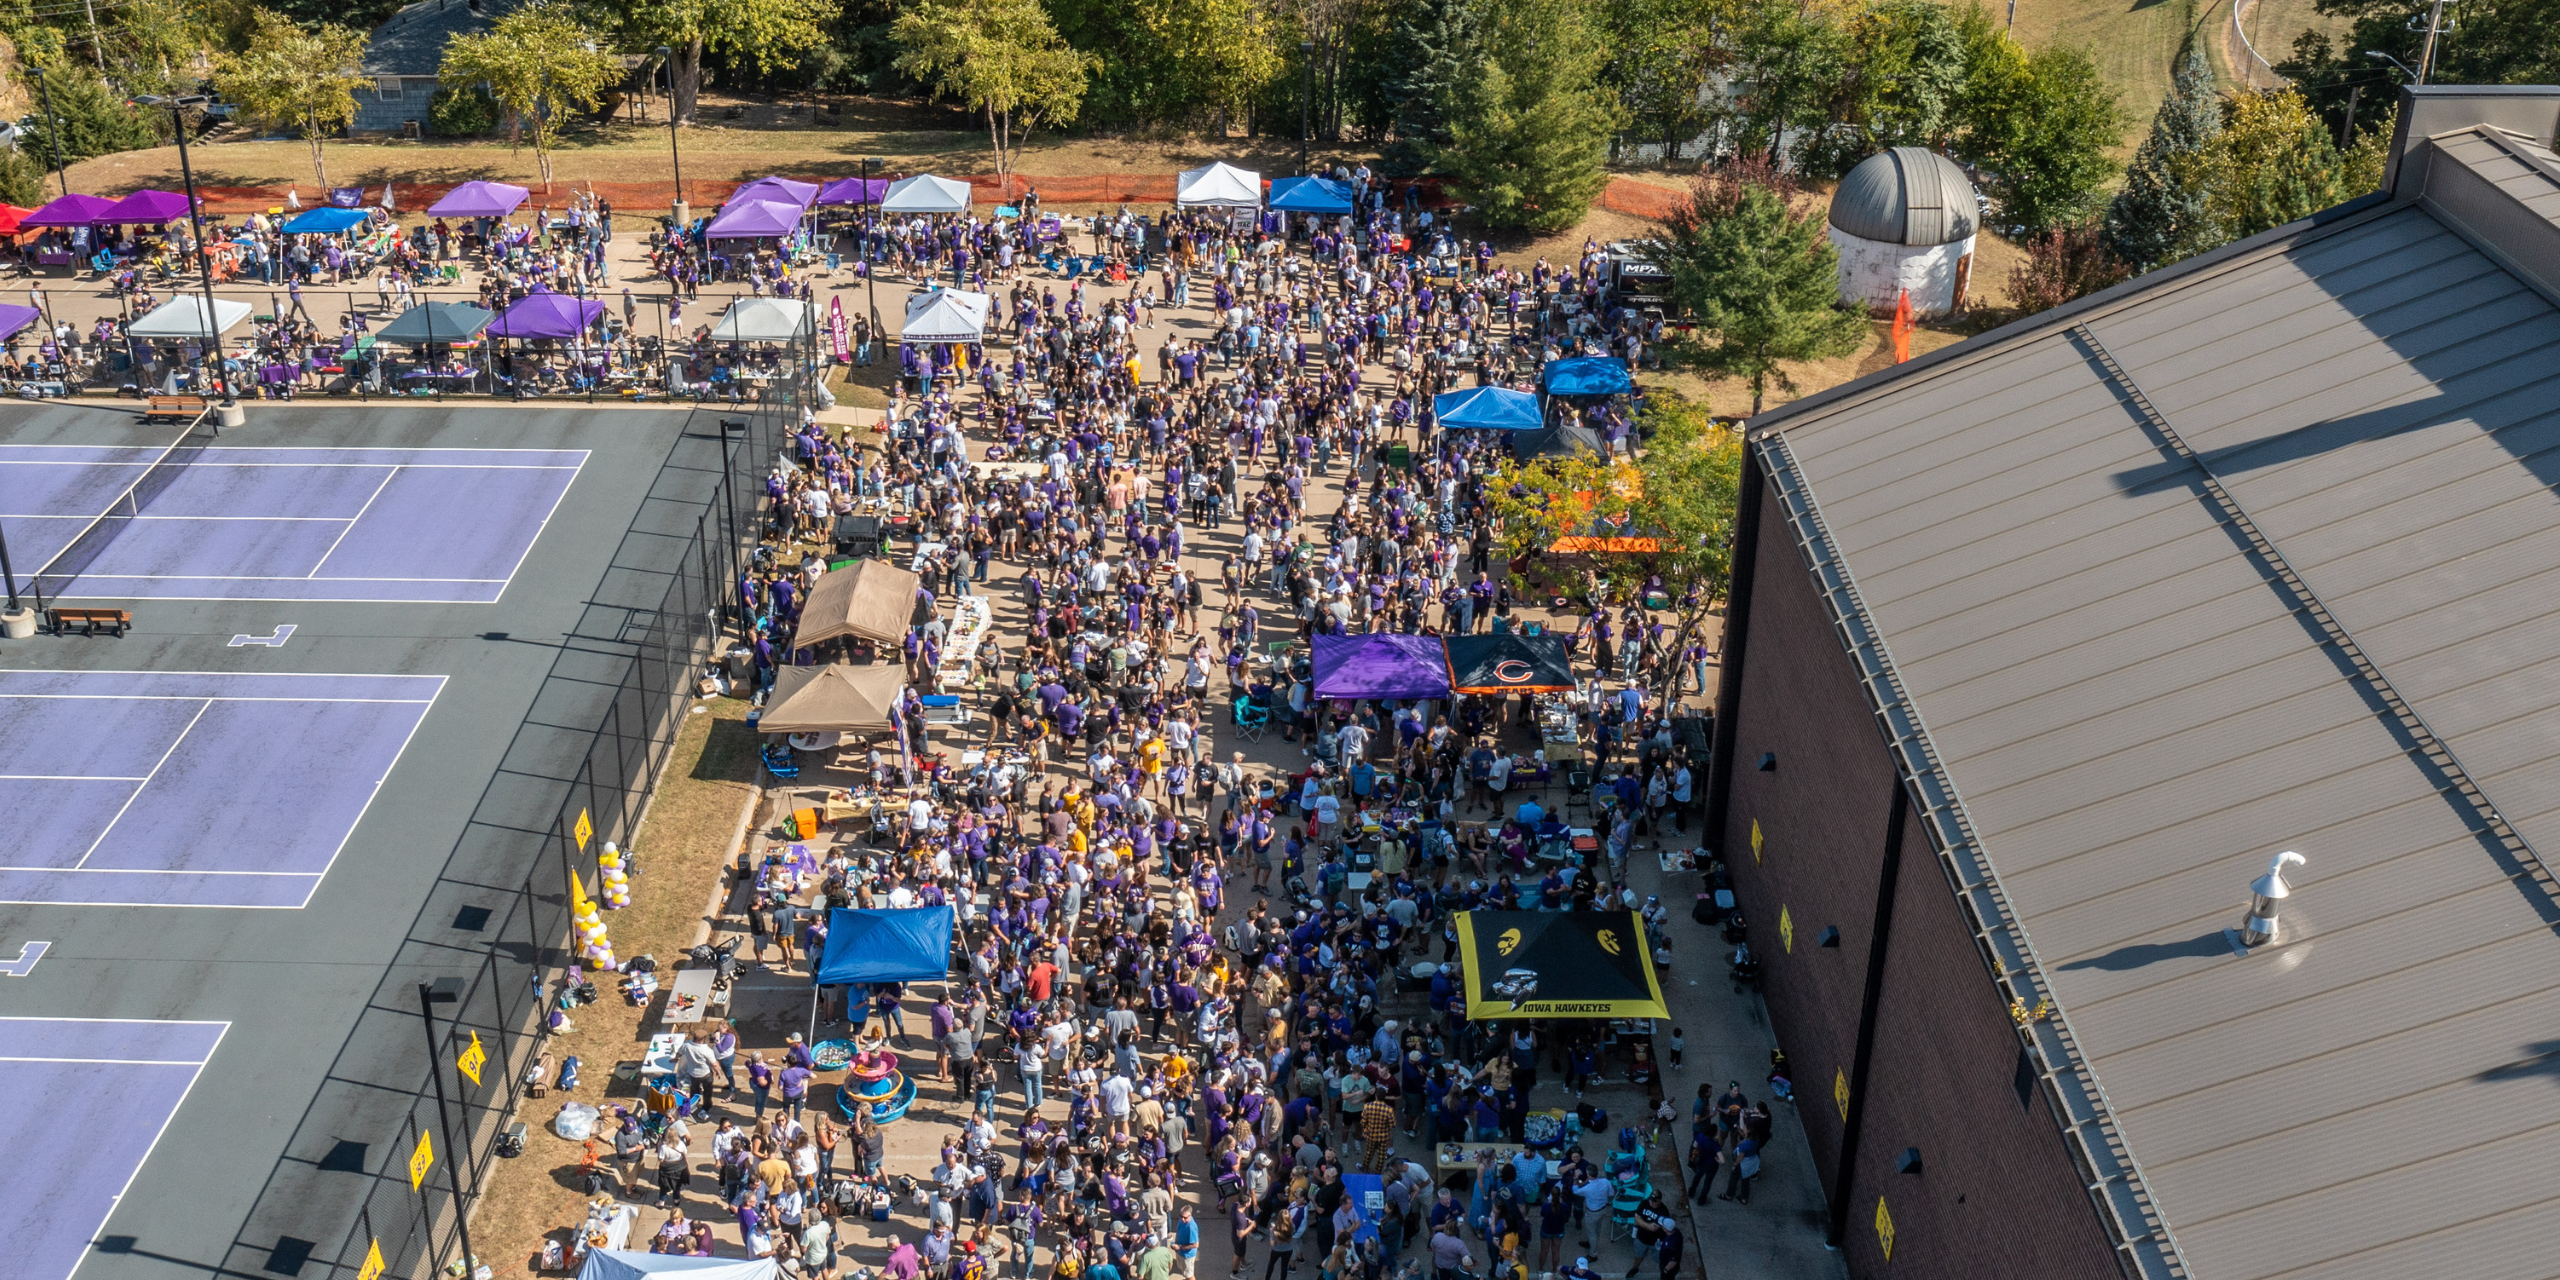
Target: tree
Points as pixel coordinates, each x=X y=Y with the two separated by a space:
x=1679 y=491
x=2064 y=264
x=2486 y=42
x=770 y=35
x=2272 y=164
x=1902 y=72
x=94 y=120
x=1664 y=52
x=1001 y=58
x=540 y=66
x=1530 y=122
x=1429 y=54
x=297 y=79
x=2040 y=126
x=22 y=180
x=2161 y=214
x=1792 y=59
x=1760 y=275
x=1171 y=60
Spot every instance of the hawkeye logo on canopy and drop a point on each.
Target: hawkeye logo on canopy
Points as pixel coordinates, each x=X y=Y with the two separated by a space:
x=1508 y=942
x=1514 y=671
x=1609 y=941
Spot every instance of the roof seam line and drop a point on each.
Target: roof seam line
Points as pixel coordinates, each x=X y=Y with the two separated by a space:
x=2426 y=743
x=2113 y=1178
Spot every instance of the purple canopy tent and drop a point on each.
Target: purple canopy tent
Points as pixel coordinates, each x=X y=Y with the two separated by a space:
x=147 y=207
x=1381 y=665
x=786 y=190
x=14 y=317
x=547 y=315
x=479 y=200
x=753 y=219
x=74 y=210
x=853 y=191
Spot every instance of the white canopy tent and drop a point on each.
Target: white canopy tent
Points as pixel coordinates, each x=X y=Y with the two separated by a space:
x=183 y=317
x=925 y=193
x=626 y=1264
x=945 y=315
x=1220 y=185
x=766 y=320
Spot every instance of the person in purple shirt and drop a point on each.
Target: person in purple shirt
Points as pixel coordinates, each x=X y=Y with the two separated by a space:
x=795 y=1087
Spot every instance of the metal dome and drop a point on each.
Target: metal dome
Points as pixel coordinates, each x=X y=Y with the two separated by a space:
x=1908 y=195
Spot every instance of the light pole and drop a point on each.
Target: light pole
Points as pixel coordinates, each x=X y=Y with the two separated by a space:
x=667 y=56
x=449 y=991
x=1306 y=102
x=870 y=269
x=2380 y=56
x=204 y=261
x=52 y=129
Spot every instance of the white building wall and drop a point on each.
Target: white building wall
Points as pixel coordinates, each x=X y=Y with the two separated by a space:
x=1873 y=273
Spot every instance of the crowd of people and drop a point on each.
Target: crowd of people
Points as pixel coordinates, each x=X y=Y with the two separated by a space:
x=1185 y=978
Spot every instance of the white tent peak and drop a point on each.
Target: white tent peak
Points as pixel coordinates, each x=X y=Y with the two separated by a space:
x=925 y=193
x=766 y=320
x=183 y=317
x=1221 y=185
x=945 y=315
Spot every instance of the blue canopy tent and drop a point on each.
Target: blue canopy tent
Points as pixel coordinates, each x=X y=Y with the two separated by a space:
x=1309 y=195
x=1588 y=376
x=1489 y=408
x=326 y=221
x=912 y=944
x=632 y=1264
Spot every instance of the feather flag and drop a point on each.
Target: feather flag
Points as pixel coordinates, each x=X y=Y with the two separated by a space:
x=1902 y=326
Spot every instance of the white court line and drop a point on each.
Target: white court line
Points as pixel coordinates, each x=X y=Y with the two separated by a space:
x=113 y=1062
x=539 y=529
x=251 y=577
x=393 y=474
x=146 y=783
x=66 y=777
x=159 y=871
x=247 y=519
x=197 y=697
x=117 y=1200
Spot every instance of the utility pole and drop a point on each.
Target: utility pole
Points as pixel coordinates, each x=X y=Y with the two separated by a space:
x=2427 y=53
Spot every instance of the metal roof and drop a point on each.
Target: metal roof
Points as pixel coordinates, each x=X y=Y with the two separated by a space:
x=2257 y=553
x=1906 y=195
x=411 y=42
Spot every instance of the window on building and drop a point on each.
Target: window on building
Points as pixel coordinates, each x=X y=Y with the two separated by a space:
x=388 y=87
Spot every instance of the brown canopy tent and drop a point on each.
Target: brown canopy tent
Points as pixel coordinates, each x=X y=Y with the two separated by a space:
x=873 y=599
x=838 y=697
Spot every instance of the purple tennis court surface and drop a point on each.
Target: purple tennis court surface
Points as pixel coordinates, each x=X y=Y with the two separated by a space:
x=191 y=789
x=96 y=1093
x=427 y=526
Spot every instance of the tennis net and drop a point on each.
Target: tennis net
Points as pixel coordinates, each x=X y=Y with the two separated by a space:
x=77 y=555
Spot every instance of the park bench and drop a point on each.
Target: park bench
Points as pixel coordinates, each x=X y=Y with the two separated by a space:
x=173 y=407
x=89 y=620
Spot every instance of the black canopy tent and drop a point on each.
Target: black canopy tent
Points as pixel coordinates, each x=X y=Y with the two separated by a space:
x=1509 y=663
x=1557 y=964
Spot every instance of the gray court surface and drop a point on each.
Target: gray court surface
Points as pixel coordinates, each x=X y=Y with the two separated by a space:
x=205 y=1026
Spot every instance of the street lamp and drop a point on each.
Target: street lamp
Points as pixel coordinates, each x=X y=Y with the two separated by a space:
x=2379 y=55
x=52 y=129
x=204 y=261
x=667 y=56
x=1306 y=102
x=431 y=994
x=870 y=269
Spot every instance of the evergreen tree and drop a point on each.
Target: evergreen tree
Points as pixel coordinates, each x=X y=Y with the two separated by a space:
x=1530 y=121
x=2161 y=213
x=1428 y=56
x=2273 y=164
x=1761 y=276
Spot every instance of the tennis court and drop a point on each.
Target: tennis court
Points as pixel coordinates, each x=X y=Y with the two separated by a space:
x=93 y=1095
x=388 y=525
x=191 y=789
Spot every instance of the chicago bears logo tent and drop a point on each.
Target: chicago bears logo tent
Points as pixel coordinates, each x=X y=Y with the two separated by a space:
x=1512 y=663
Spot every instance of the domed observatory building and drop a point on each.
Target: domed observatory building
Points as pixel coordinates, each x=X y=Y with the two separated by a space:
x=1904 y=221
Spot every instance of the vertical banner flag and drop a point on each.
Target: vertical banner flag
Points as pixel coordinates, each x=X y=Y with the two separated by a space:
x=471 y=1060
x=421 y=1160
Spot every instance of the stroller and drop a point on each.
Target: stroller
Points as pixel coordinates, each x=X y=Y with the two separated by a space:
x=1252 y=719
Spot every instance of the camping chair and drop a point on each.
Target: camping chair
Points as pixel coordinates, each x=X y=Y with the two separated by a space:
x=779 y=760
x=1577 y=789
x=1252 y=720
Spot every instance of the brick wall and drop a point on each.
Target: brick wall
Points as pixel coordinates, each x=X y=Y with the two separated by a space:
x=1998 y=1195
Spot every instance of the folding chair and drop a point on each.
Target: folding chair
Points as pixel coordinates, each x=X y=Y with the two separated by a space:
x=1252 y=720
x=1577 y=789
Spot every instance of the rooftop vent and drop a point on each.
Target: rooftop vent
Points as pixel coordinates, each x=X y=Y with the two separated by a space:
x=2266 y=896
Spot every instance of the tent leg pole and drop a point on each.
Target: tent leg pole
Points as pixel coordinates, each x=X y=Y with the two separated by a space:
x=815 y=992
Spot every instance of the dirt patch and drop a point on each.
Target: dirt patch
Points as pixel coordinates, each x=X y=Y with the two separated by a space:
x=710 y=777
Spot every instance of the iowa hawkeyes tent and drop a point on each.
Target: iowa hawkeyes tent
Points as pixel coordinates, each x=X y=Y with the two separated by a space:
x=1509 y=663
x=1557 y=964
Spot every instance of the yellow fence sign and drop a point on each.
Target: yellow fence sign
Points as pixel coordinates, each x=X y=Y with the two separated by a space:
x=472 y=1059
x=1755 y=839
x=1884 y=1229
x=1840 y=1092
x=421 y=1160
x=584 y=829
x=373 y=1264
x=1786 y=930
